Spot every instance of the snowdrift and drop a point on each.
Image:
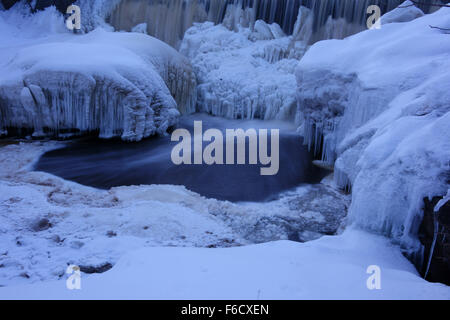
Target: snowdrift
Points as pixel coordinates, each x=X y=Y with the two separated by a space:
x=328 y=268
x=377 y=104
x=117 y=84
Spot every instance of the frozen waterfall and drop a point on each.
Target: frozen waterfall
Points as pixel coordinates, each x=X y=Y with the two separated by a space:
x=169 y=19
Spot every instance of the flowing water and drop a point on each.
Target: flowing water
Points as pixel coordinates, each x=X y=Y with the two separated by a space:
x=114 y=163
x=168 y=20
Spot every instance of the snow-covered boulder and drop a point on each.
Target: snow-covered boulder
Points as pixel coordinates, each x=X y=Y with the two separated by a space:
x=380 y=102
x=119 y=84
x=240 y=76
x=407 y=11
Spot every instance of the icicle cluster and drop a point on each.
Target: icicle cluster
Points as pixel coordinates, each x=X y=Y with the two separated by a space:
x=61 y=102
x=126 y=85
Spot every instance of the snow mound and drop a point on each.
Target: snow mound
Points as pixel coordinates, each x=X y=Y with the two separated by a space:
x=378 y=104
x=245 y=74
x=119 y=84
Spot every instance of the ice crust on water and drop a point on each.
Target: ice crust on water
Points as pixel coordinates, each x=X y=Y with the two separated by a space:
x=386 y=93
x=119 y=84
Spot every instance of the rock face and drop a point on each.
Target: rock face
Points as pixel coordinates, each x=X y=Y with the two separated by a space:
x=435 y=228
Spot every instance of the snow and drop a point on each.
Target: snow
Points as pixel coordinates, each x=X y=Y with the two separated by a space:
x=140 y=28
x=385 y=94
x=379 y=100
x=47 y=223
x=159 y=240
x=407 y=11
x=121 y=84
x=328 y=268
x=245 y=74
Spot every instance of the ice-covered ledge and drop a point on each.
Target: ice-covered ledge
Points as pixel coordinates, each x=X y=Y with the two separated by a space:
x=380 y=102
x=118 y=84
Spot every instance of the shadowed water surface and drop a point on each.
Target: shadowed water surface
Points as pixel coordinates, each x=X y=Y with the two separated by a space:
x=106 y=164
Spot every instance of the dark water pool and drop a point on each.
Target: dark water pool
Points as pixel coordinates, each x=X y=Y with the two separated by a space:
x=105 y=164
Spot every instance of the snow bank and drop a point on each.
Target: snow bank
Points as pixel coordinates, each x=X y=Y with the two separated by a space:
x=379 y=101
x=245 y=74
x=329 y=268
x=47 y=222
x=120 y=84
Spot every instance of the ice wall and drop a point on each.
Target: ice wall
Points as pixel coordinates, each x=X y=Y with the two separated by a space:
x=376 y=105
x=116 y=84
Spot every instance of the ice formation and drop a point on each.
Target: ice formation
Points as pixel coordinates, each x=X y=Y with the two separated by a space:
x=94 y=13
x=246 y=74
x=169 y=19
x=119 y=84
x=376 y=104
x=407 y=11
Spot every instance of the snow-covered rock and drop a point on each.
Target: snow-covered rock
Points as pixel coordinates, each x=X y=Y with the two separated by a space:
x=240 y=76
x=119 y=84
x=380 y=101
x=407 y=11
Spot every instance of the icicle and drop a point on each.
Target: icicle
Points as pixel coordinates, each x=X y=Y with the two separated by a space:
x=433 y=244
x=341 y=179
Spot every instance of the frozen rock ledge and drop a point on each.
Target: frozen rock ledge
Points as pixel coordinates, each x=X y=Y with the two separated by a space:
x=126 y=85
x=376 y=106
